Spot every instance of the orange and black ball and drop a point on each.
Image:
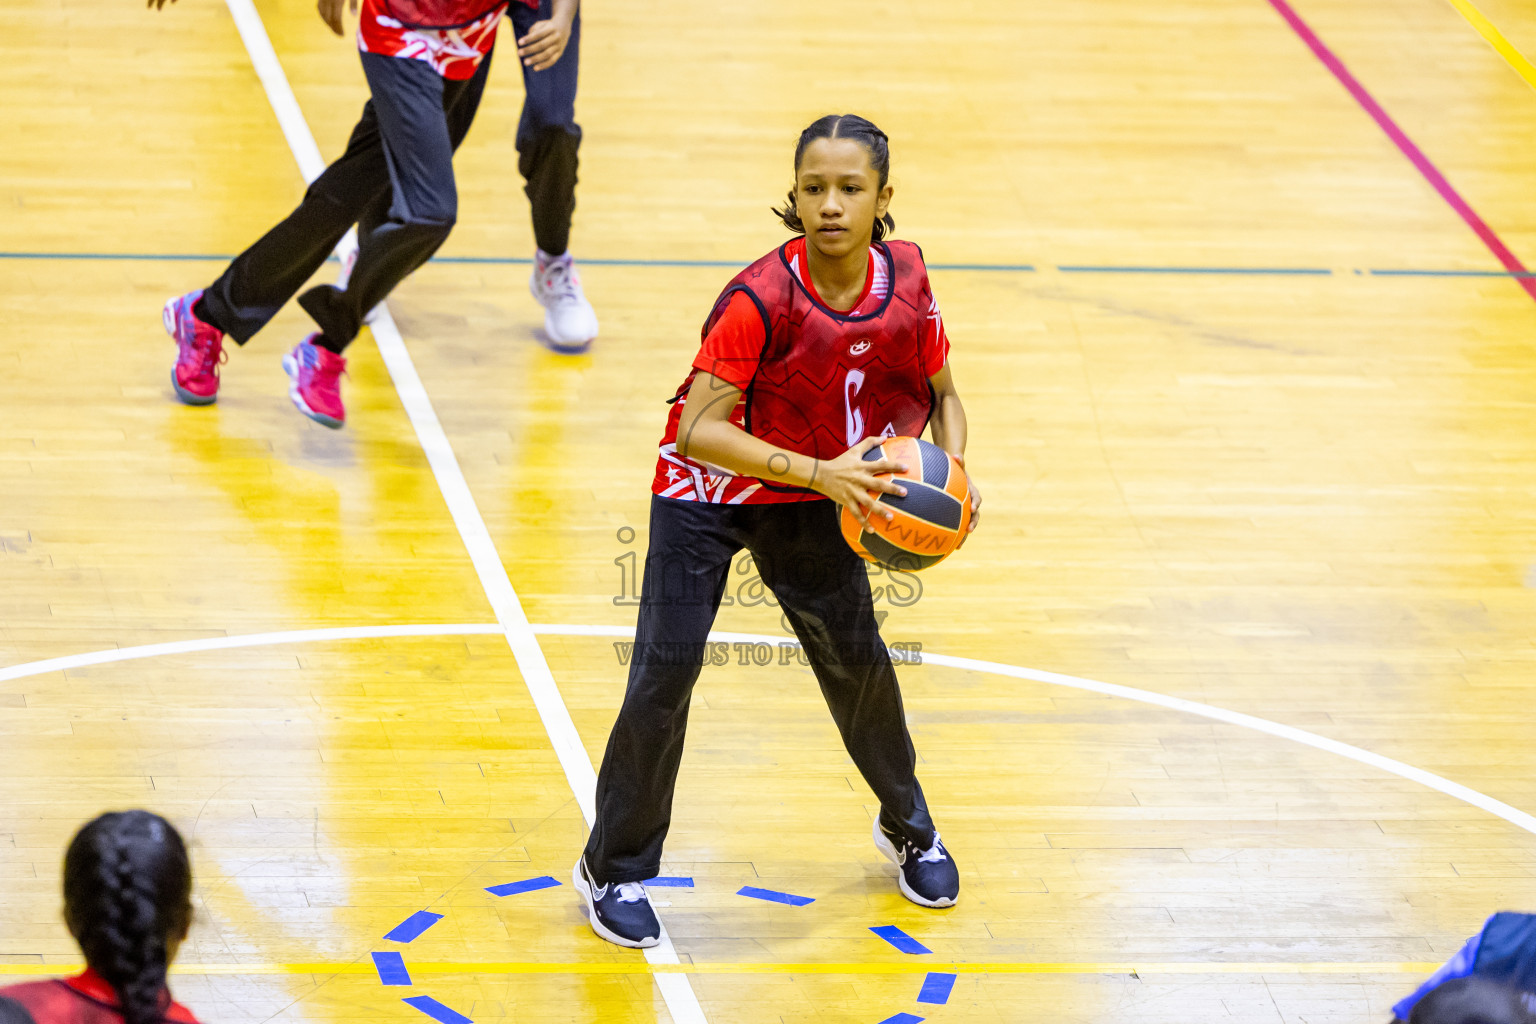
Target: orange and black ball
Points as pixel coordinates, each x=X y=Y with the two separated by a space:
x=930 y=520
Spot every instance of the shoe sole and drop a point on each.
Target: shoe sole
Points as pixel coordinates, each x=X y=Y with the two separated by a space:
x=555 y=342
x=886 y=847
x=291 y=368
x=560 y=344
x=168 y=318
x=602 y=930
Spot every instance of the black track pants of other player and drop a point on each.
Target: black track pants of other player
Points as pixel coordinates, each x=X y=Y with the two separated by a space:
x=548 y=135
x=823 y=588
x=395 y=181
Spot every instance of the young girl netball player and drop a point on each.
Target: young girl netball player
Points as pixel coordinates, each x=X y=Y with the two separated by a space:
x=426 y=62
x=128 y=902
x=810 y=356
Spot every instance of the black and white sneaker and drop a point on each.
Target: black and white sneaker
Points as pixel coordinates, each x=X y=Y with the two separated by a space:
x=620 y=913
x=928 y=877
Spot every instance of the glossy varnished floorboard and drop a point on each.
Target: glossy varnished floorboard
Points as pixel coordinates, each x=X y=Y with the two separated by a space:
x=1304 y=497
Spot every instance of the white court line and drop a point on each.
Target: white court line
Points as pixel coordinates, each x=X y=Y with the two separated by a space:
x=1498 y=808
x=1429 y=780
x=222 y=643
x=675 y=988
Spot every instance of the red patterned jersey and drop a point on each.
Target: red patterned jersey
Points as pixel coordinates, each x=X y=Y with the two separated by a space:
x=393 y=28
x=814 y=380
x=84 y=999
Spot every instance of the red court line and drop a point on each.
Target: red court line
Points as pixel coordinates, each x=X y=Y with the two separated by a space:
x=1412 y=152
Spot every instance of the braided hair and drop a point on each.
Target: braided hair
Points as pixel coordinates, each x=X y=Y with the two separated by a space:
x=844 y=126
x=127 y=901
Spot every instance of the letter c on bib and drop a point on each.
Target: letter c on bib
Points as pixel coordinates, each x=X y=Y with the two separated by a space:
x=854 y=421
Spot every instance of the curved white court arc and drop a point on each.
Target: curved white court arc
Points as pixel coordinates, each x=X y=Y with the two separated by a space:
x=1520 y=819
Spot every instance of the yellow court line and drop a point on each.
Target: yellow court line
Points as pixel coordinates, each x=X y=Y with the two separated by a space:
x=638 y=967
x=1485 y=28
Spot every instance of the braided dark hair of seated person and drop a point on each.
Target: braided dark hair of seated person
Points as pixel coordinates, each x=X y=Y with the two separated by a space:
x=128 y=902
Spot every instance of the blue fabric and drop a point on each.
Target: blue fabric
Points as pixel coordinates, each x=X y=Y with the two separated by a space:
x=1508 y=951
x=1458 y=966
x=1504 y=950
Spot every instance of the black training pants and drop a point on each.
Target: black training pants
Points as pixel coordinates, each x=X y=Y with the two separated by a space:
x=548 y=135
x=823 y=589
x=395 y=181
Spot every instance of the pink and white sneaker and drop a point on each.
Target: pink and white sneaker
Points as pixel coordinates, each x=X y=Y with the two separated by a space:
x=199 y=351
x=316 y=382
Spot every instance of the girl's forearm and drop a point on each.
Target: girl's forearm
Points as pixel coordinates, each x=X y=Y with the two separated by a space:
x=724 y=444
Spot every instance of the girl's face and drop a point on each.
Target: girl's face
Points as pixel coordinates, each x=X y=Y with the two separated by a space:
x=838 y=196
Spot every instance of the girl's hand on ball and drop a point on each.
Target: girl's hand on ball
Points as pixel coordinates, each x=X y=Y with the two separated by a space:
x=848 y=479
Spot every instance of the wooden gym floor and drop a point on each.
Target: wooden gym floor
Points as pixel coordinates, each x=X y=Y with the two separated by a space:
x=1252 y=406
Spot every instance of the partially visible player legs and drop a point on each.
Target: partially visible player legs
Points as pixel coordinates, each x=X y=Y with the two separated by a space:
x=548 y=138
x=401 y=154
x=264 y=277
x=823 y=589
x=421 y=122
x=686 y=568
x=461 y=116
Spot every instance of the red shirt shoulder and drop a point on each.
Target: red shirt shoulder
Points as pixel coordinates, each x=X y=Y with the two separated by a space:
x=83 y=999
x=734 y=345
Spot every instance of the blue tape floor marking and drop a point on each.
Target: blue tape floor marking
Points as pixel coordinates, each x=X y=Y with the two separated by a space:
x=936 y=988
x=670 y=881
x=391 y=968
x=1110 y=269
x=900 y=939
x=526 y=885
x=774 y=897
x=437 y=1011
x=903 y=1018
x=1005 y=268
x=411 y=928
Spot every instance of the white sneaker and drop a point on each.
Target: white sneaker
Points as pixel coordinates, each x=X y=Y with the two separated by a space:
x=569 y=320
